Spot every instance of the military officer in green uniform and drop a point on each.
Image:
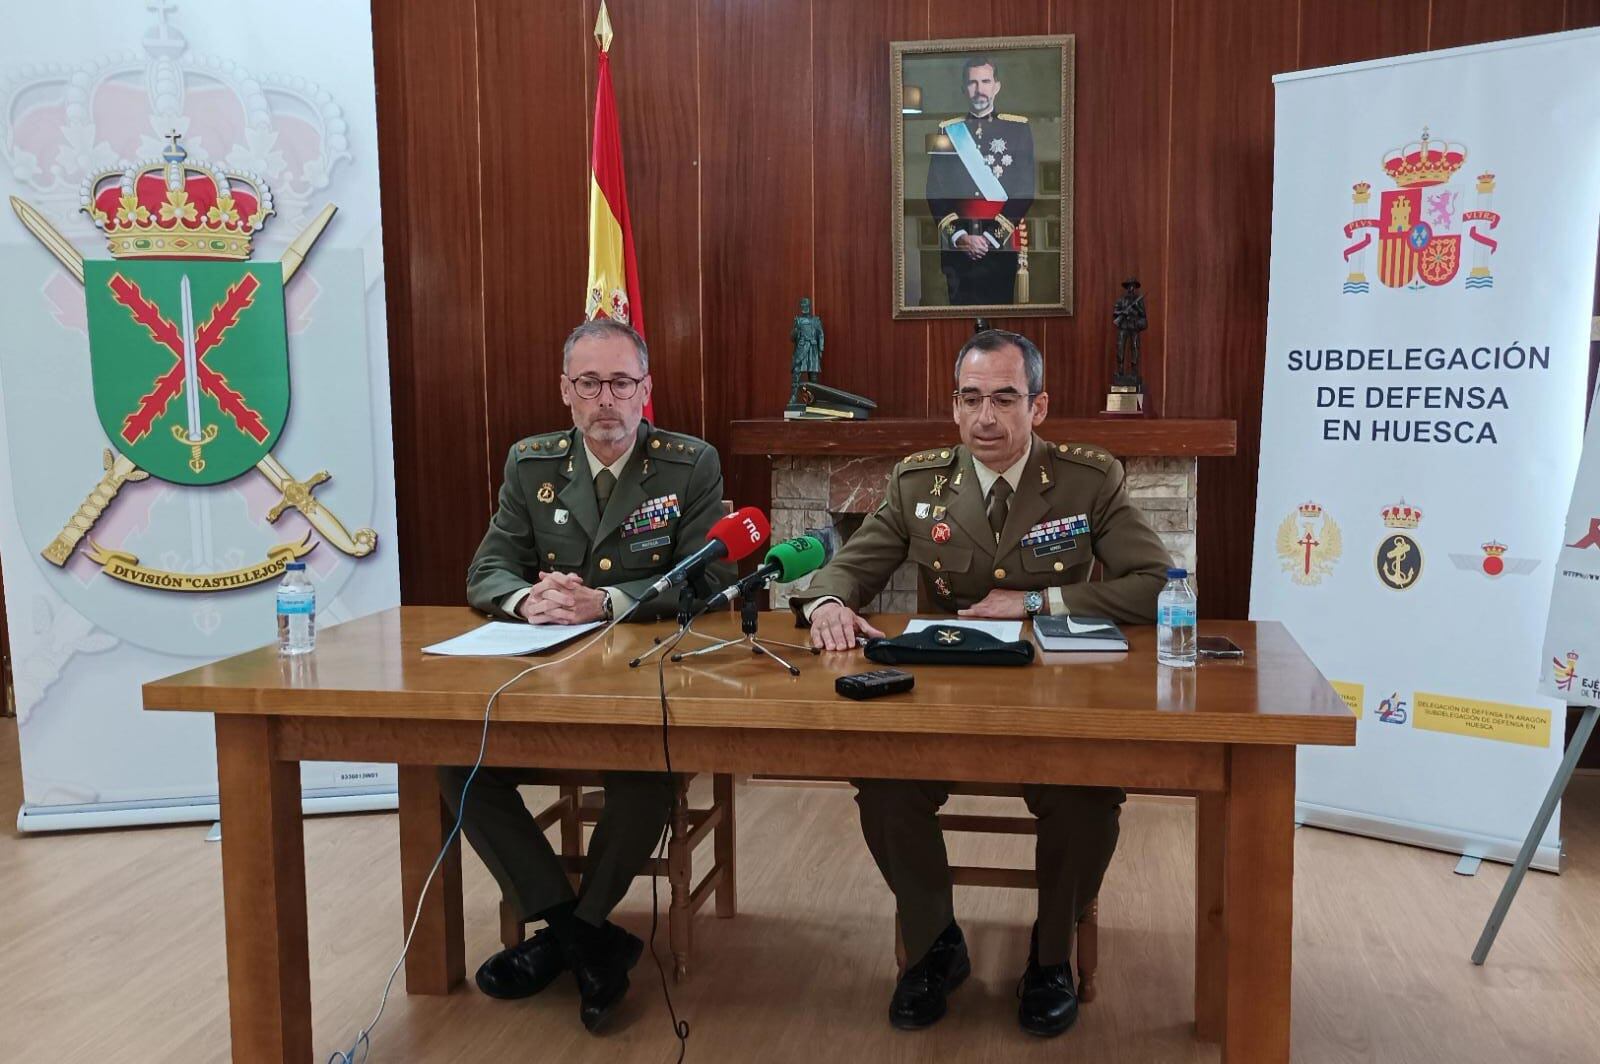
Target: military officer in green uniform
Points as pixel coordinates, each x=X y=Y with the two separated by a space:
x=1003 y=526
x=587 y=519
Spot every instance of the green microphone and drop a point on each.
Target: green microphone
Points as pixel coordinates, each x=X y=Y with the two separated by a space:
x=786 y=561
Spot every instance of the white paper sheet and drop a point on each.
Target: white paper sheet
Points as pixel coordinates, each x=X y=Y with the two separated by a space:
x=503 y=638
x=1007 y=631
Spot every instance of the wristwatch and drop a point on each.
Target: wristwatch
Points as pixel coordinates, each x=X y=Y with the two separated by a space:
x=606 y=610
x=1032 y=603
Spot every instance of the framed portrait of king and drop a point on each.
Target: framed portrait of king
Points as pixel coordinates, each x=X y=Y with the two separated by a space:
x=982 y=161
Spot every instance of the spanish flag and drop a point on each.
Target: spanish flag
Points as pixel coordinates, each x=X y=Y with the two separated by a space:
x=613 y=288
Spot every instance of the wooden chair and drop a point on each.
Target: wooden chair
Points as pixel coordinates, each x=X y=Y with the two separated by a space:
x=1088 y=932
x=580 y=802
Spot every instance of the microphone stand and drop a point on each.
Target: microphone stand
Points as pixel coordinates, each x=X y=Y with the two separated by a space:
x=748 y=618
x=686 y=617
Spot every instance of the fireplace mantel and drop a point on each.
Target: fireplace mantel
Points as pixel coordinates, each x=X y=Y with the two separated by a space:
x=828 y=474
x=1124 y=437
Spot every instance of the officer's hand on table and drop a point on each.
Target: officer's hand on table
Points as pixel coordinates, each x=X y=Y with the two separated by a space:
x=562 y=598
x=834 y=626
x=998 y=605
x=975 y=246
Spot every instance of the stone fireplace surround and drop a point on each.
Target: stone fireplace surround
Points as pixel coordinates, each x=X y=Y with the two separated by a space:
x=828 y=475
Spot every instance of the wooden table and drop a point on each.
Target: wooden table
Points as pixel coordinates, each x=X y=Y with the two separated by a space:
x=1226 y=731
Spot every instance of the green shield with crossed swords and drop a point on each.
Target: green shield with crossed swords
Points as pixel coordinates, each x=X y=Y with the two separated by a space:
x=190 y=363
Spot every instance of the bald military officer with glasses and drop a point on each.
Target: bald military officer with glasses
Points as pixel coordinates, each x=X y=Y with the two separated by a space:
x=587 y=519
x=1004 y=526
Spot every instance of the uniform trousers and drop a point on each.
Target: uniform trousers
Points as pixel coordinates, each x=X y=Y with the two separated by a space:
x=1078 y=828
x=502 y=831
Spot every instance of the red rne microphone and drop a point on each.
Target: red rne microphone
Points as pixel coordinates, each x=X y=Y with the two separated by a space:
x=735 y=537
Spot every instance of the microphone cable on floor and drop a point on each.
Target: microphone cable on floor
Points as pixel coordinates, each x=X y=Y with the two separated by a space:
x=680 y=1028
x=363 y=1039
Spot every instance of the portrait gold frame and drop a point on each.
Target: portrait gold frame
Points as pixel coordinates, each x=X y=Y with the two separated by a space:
x=898 y=50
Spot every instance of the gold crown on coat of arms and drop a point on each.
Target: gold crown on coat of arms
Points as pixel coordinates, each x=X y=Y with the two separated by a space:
x=172 y=208
x=1401 y=516
x=1424 y=162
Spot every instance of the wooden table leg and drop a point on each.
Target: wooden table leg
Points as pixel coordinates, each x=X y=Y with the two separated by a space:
x=1210 y=947
x=1258 y=887
x=437 y=962
x=724 y=840
x=263 y=895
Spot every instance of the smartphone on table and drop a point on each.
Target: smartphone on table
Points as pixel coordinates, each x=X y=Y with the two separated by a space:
x=1217 y=646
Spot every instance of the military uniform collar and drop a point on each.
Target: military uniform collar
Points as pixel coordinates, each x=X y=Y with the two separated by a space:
x=595 y=465
x=1013 y=475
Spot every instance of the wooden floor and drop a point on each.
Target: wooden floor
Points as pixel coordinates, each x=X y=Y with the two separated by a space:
x=111 y=950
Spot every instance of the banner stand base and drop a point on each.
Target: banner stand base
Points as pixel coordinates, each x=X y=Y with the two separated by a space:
x=1546 y=858
x=36 y=819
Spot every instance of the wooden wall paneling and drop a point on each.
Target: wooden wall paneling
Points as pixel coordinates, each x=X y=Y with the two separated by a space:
x=756 y=186
x=1124 y=61
x=1349 y=31
x=428 y=152
x=1220 y=232
x=868 y=352
x=533 y=115
x=1458 y=22
x=1581 y=14
x=981 y=18
x=656 y=63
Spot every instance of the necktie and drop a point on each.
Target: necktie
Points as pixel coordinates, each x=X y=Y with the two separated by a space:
x=604 y=481
x=999 y=504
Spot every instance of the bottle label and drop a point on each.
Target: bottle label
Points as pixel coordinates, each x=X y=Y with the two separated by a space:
x=1177 y=616
x=304 y=605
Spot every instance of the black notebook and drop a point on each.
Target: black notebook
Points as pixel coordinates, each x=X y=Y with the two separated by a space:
x=1078 y=633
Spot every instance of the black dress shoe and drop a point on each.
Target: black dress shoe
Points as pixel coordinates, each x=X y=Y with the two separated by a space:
x=601 y=960
x=919 y=997
x=524 y=969
x=1049 y=1002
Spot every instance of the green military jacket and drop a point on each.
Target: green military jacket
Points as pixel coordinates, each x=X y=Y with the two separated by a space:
x=665 y=501
x=1070 y=509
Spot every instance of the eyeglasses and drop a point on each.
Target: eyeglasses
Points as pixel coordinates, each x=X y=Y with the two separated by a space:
x=588 y=386
x=1004 y=402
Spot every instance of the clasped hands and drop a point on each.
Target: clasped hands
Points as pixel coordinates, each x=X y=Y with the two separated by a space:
x=835 y=626
x=562 y=598
x=975 y=247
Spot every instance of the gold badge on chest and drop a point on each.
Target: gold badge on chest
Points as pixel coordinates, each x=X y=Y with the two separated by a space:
x=547 y=493
x=939 y=481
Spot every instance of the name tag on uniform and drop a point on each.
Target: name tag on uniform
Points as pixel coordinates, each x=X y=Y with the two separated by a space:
x=649 y=544
x=1056 y=536
x=651 y=515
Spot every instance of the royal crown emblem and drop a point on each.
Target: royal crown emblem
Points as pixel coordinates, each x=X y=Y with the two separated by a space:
x=1402 y=516
x=1424 y=162
x=173 y=208
x=1421 y=221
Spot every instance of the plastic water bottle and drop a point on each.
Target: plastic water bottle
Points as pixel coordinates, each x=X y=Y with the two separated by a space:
x=297 y=611
x=1176 y=613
